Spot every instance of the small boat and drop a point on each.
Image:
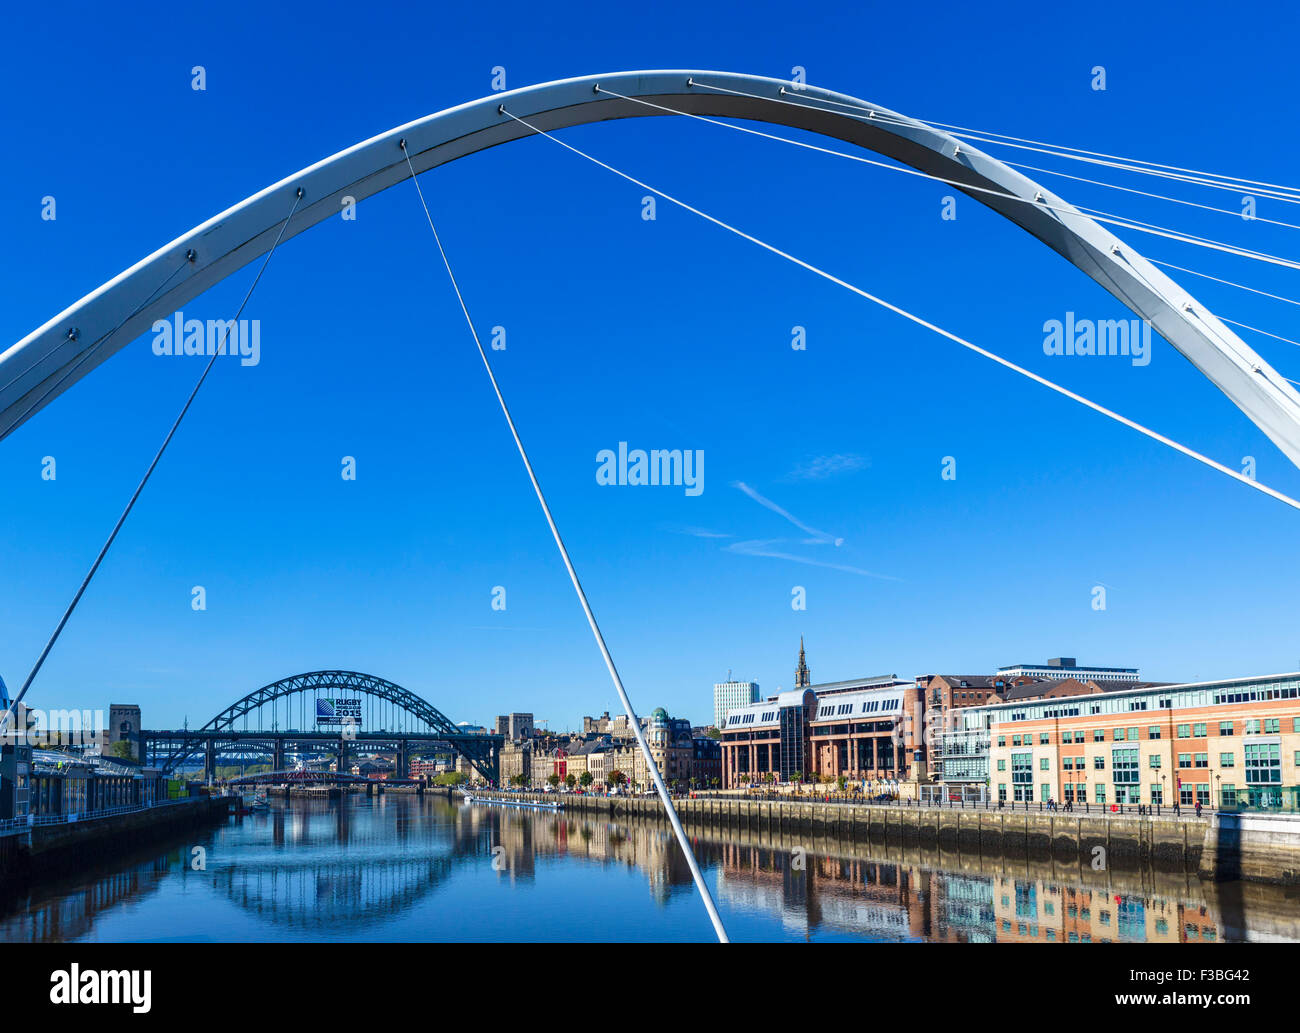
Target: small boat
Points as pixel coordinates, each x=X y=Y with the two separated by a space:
x=259 y=803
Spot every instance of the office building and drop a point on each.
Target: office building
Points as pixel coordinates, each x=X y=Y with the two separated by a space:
x=730 y=695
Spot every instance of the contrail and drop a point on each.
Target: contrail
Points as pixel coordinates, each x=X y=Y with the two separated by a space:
x=820 y=536
x=758 y=547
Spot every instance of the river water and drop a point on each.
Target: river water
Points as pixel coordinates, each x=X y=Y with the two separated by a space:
x=406 y=868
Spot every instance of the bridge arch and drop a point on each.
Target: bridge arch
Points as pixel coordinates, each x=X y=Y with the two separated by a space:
x=54 y=357
x=479 y=750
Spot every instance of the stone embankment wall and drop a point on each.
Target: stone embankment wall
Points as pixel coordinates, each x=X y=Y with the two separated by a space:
x=1252 y=848
x=47 y=849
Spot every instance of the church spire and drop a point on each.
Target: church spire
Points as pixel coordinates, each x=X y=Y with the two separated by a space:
x=802 y=679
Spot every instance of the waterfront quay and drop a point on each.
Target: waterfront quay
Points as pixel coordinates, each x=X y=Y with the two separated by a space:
x=1218 y=846
x=42 y=846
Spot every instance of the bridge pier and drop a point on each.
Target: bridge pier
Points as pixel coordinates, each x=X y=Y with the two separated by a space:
x=403 y=761
x=210 y=759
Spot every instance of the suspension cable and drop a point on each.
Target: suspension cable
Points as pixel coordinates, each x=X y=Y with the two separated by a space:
x=1097 y=214
x=85 y=583
x=635 y=723
x=1148 y=193
x=919 y=321
x=869 y=161
x=1229 y=283
x=1192 y=176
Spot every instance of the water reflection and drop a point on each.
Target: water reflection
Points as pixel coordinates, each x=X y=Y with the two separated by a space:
x=360 y=868
x=892 y=892
x=883 y=891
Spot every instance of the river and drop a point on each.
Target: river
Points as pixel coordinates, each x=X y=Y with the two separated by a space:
x=406 y=868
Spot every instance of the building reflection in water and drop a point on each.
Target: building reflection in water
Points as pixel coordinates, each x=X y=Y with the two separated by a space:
x=889 y=892
x=314 y=868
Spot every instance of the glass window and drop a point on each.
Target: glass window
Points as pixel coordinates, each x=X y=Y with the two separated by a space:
x=1153 y=732
x=1225 y=727
x=1021 y=768
x=1184 y=731
x=1198 y=731
x=1154 y=760
x=1263 y=763
x=1184 y=760
x=1099 y=735
x=1227 y=760
x=1042 y=763
x=1124 y=763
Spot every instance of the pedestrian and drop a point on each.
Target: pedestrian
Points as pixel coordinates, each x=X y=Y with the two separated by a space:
x=1198 y=808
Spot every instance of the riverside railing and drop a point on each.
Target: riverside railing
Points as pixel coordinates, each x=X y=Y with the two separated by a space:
x=1168 y=812
x=1083 y=807
x=11 y=826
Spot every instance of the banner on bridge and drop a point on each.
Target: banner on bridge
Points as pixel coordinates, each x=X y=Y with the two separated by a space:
x=337 y=711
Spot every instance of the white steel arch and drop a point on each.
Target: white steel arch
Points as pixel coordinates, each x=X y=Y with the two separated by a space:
x=48 y=361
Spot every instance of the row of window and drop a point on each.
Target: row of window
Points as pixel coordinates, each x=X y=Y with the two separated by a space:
x=1127 y=792
x=871 y=706
x=1197 y=730
x=1263 y=761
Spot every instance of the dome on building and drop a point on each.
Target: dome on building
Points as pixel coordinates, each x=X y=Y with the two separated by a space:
x=659 y=714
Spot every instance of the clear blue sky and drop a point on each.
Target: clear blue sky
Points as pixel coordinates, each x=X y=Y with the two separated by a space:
x=665 y=334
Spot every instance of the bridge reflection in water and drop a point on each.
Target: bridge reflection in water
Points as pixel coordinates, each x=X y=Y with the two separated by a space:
x=406 y=867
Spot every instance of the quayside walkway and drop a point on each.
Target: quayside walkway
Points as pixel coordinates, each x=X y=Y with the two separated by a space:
x=1216 y=845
